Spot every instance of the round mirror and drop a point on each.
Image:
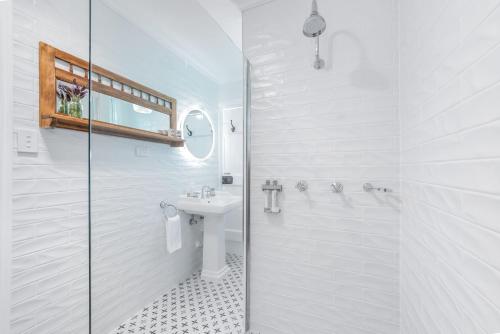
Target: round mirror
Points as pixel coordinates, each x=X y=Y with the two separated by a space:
x=198 y=134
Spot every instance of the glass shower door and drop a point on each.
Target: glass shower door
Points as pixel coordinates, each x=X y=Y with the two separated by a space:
x=167 y=130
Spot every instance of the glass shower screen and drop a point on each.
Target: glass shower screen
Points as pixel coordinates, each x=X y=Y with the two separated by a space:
x=166 y=170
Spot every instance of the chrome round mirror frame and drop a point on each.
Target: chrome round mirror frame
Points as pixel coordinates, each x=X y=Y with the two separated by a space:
x=210 y=122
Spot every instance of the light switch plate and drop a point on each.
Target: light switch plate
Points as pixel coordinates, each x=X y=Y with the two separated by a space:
x=27 y=141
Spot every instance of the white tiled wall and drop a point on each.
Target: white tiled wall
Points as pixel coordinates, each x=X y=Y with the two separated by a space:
x=49 y=282
x=130 y=266
x=328 y=263
x=450 y=126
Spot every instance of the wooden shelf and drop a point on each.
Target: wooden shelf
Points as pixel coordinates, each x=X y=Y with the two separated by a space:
x=100 y=80
x=82 y=124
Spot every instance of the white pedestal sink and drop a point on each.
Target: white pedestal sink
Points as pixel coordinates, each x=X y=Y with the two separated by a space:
x=214 y=239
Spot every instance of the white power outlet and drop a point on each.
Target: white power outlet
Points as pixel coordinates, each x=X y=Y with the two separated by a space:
x=27 y=141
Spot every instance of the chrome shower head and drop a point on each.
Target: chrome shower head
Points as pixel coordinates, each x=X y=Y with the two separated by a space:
x=315 y=24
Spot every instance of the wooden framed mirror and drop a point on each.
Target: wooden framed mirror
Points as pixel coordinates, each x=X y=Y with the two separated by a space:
x=144 y=113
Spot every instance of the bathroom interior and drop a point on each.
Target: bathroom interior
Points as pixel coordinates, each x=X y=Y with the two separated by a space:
x=250 y=166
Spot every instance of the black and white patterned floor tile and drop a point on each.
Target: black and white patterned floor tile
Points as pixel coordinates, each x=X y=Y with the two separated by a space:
x=195 y=306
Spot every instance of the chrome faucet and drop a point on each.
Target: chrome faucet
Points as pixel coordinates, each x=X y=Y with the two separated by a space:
x=207 y=192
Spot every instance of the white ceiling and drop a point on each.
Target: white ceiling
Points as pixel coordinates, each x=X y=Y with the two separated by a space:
x=247 y=4
x=185 y=27
x=228 y=15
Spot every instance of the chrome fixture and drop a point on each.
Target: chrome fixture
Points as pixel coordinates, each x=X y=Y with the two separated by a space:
x=272 y=186
x=233 y=128
x=165 y=205
x=368 y=187
x=314 y=26
x=203 y=191
x=271 y=196
x=337 y=187
x=302 y=186
x=195 y=219
x=207 y=192
x=195 y=194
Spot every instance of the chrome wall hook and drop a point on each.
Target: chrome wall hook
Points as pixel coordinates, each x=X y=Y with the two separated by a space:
x=189 y=131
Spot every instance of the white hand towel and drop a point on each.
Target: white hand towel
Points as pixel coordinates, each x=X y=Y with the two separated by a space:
x=173 y=233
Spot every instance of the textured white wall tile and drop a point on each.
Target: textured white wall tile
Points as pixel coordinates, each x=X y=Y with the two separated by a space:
x=450 y=275
x=328 y=263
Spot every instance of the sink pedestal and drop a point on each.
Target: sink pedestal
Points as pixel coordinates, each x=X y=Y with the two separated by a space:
x=214 y=238
x=214 y=248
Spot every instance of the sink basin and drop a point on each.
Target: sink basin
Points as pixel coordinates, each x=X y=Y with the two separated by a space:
x=214 y=235
x=220 y=204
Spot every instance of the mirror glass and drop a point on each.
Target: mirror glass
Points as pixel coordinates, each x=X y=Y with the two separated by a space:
x=120 y=112
x=198 y=133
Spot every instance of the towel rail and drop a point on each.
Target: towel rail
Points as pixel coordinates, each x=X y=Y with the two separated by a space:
x=165 y=205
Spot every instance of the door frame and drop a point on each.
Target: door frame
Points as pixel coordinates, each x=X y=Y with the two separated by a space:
x=5 y=162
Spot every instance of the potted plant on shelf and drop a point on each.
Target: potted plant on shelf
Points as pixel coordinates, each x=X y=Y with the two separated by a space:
x=64 y=97
x=71 y=99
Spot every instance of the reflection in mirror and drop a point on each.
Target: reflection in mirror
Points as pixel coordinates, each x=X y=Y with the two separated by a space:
x=115 y=111
x=198 y=133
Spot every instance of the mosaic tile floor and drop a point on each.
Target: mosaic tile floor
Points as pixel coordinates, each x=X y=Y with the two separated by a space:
x=195 y=306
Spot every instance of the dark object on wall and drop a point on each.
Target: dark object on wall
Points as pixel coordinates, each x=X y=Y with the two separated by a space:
x=227 y=179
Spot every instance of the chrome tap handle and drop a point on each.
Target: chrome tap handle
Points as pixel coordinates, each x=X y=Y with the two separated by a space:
x=302 y=186
x=337 y=187
x=204 y=189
